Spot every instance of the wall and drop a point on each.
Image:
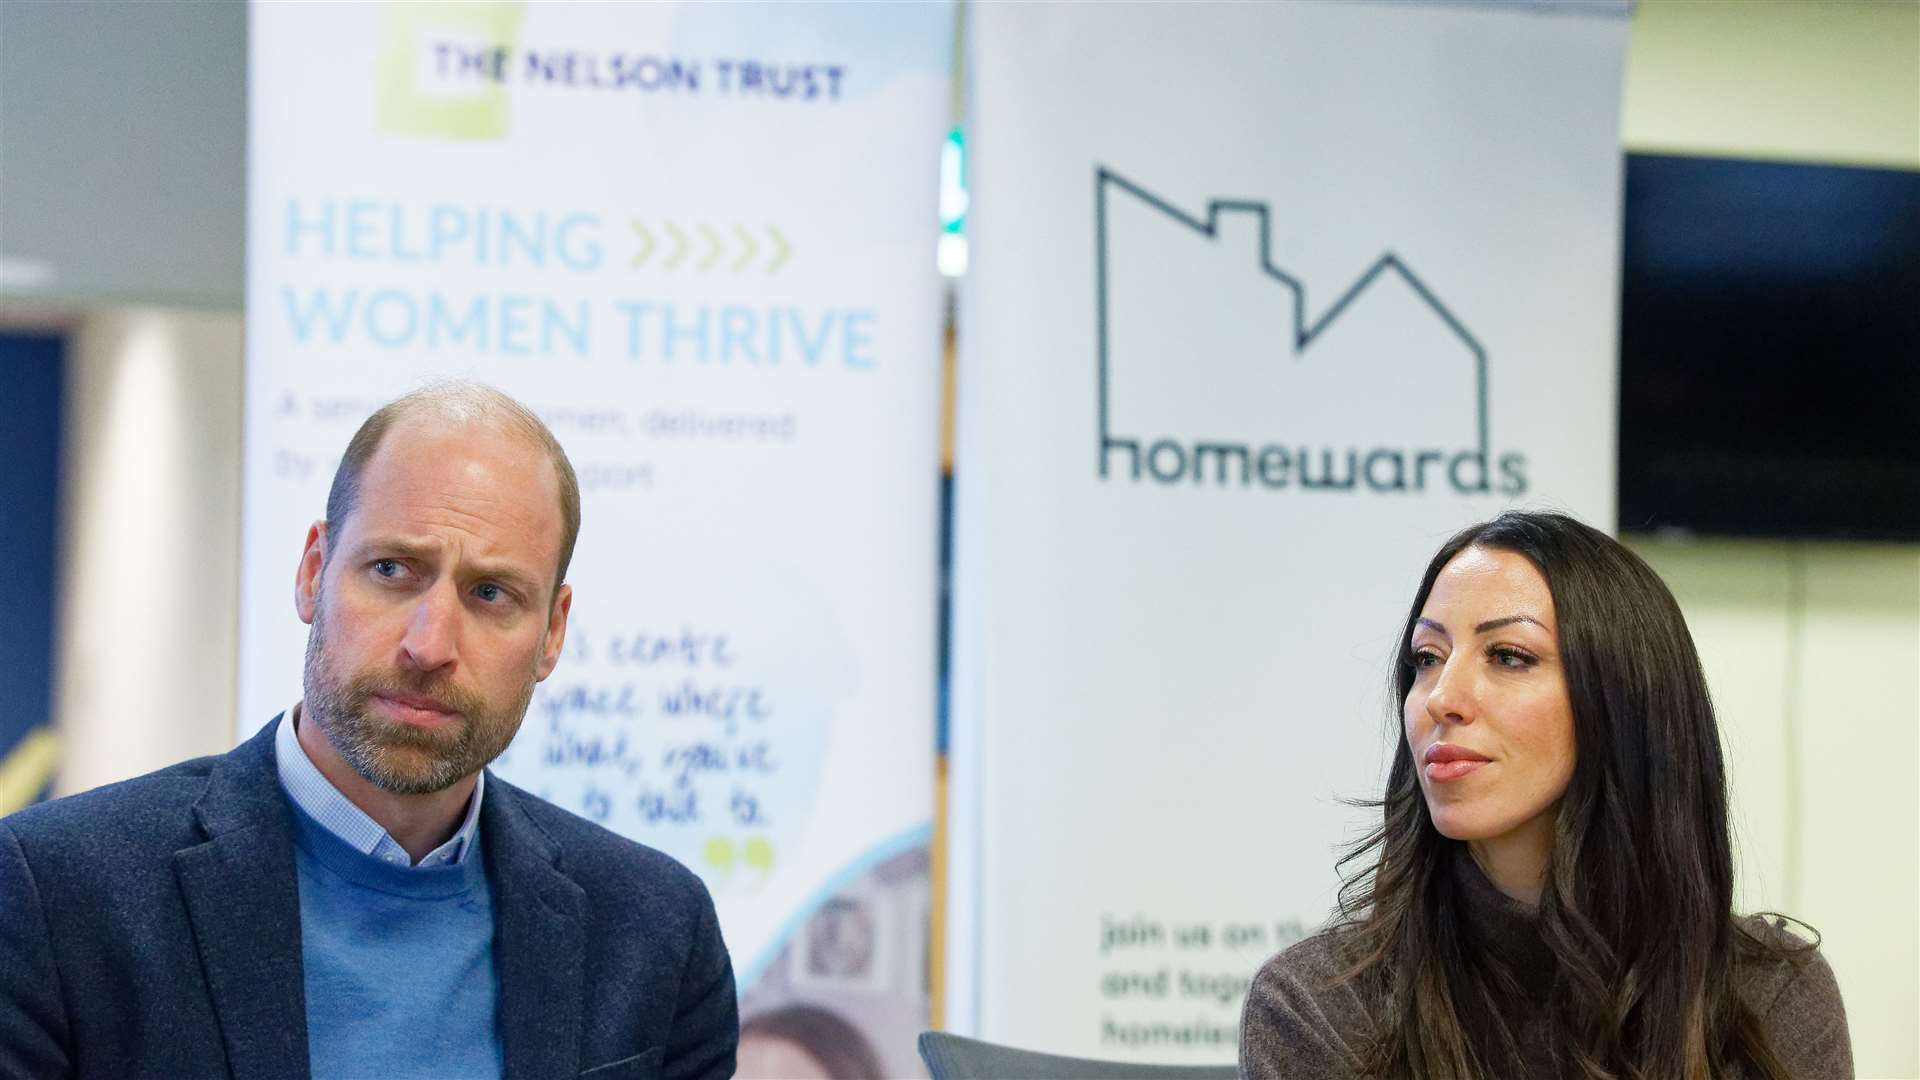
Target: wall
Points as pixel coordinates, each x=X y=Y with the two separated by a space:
x=1835 y=81
x=31 y=373
x=122 y=180
x=123 y=152
x=146 y=669
x=1812 y=649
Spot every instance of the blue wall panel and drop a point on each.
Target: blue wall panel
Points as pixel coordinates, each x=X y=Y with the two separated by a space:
x=31 y=375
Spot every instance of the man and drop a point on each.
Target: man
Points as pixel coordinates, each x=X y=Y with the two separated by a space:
x=348 y=893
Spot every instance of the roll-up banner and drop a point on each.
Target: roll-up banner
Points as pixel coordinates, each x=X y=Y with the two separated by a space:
x=699 y=240
x=1265 y=300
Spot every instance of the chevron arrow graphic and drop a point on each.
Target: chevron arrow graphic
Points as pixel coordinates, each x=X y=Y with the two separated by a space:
x=713 y=247
x=679 y=246
x=748 y=249
x=780 y=250
x=647 y=244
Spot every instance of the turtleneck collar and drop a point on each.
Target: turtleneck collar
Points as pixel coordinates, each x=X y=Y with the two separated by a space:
x=1505 y=928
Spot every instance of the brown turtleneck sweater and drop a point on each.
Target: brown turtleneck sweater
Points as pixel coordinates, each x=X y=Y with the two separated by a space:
x=1300 y=1022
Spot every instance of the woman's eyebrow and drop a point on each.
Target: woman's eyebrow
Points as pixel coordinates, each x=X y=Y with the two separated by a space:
x=1433 y=626
x=1495 y=624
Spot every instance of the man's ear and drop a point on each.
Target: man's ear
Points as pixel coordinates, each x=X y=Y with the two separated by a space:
x=556 y=632
x=306 y=579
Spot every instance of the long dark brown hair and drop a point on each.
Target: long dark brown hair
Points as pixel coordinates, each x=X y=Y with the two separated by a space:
x=1637 y=906
x=826 y=1036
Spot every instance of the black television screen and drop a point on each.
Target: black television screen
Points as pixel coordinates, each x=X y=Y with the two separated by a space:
x=1770 y=349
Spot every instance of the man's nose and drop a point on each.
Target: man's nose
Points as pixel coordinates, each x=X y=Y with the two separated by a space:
x=432 y=640
x=1451 y=699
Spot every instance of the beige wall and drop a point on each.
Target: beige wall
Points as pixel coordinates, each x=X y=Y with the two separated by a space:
x=1812 y=649
x=1813 y=654
x=1795 y=80
x=146 y=641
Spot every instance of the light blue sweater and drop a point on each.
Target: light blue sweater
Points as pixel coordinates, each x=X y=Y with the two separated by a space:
x=398 y=962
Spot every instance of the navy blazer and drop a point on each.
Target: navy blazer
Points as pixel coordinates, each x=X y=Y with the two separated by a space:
x=152 y=928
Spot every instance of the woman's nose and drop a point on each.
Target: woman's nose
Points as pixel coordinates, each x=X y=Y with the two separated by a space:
x=1450 y=701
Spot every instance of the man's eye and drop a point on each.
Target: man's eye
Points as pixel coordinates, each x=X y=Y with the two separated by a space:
x=387 y=567
x=490 y=592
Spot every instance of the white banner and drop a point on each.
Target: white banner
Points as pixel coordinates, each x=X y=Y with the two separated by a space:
x=1265 y=301
x=699 y=240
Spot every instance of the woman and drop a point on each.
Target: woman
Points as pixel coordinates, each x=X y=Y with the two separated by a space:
x=805 y=1042
x=1550 y=891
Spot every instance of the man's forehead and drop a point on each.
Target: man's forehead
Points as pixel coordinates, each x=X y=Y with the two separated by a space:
x=433 y=451
x=474 y=478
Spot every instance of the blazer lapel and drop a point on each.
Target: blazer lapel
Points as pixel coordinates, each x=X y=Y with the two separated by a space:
x=537 y=940
x=244 y=904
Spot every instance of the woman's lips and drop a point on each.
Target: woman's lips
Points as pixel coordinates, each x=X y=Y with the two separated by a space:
x=1445 y=761
x=1442 y=771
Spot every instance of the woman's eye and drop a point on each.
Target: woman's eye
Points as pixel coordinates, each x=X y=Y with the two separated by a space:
x=1512 y=658
x=1425 y=659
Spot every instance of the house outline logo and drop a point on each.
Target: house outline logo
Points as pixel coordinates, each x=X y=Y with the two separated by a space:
x=1305 y=334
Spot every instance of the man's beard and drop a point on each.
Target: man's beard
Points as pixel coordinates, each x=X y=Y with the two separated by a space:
x=397 y=757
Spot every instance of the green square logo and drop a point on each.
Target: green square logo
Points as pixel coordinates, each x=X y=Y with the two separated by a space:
x=404 y=107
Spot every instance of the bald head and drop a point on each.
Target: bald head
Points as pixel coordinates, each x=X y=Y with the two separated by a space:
x=456 y=405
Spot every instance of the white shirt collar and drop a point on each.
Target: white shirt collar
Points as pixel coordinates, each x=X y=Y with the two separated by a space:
x=313 y=793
